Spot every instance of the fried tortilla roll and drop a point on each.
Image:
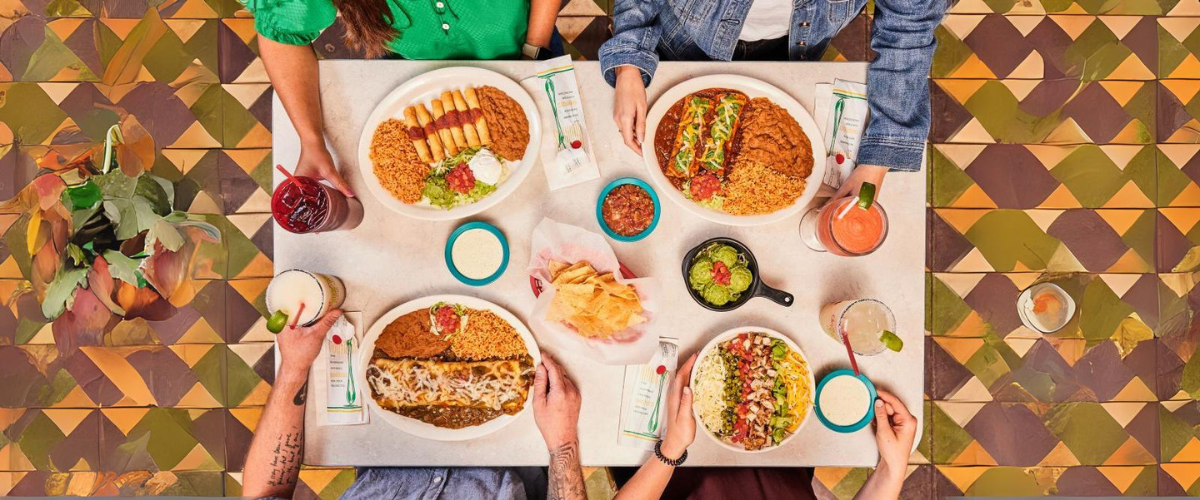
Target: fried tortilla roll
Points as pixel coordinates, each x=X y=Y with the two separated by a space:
x=496 y=385
x=431 y=134
x=468 y=123
x=416 y=134
x=724 y=126
x=454 y=119
x=477 y=115
x=688 y=141
x=440 y=122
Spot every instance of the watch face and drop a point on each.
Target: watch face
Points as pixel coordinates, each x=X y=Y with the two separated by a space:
x=543 y=54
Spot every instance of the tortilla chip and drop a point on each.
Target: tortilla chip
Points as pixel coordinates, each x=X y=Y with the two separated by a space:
x=592 y=304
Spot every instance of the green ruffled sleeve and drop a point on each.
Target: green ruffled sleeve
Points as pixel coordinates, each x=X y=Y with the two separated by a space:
x=291 y=22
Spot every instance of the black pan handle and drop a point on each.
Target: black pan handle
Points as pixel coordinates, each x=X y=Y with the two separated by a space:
x=777 y=296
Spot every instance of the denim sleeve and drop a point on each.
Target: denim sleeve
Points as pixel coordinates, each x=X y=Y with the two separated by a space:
x=898 y=83
x=634 y=41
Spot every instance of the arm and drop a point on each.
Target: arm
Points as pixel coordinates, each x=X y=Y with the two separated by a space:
x=273 y=462
x=542 y=14
x=294 y=76
x=556 y=411
x=897 y=91
x=652 y=478
x=898 y=84
x=628 y=61
x=895 y=429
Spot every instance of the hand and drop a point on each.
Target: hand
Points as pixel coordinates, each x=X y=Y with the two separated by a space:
x=299 y=346
x=895 y=429
x=555 y=404
x=629 y=107
x=316 y=162
x=862 y=173
x=681 y=423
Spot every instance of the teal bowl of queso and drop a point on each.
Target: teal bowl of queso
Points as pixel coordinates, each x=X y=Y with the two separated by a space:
x=845 y=402
x=628 y=209
x=476 y=253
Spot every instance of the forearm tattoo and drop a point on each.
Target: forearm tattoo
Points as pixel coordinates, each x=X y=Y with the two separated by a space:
x=286 y=461
x=301 y=395
x=566 y=476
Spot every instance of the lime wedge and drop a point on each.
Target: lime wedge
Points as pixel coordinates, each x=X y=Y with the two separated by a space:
x=891 y=341
x=277 y=321
x=866 y=195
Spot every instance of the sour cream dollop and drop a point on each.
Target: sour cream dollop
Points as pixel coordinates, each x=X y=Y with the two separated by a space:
x=487 y=168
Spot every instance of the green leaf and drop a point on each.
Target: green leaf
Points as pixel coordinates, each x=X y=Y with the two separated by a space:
x=76 y=254
x=154 y=193
x=122 y=267
x=80 y=218
x=116 y=184
x=60 y=291
x=123 y=214
x=146 y=216
x=167 y=234
x=85 y=195
x=891 y=341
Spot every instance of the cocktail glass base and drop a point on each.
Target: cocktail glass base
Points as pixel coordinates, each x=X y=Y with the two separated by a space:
x=808 y=229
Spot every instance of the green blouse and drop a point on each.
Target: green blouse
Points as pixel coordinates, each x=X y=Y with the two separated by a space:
x=429 y=29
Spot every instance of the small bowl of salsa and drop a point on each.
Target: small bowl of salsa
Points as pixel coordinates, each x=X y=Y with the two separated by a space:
x=628 y=209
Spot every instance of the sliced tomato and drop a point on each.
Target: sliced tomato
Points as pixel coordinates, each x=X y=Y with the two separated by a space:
x=705 y=186
x=447 y=320
x=461 y=178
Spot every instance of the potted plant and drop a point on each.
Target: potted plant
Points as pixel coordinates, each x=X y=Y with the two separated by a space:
x=102 y=241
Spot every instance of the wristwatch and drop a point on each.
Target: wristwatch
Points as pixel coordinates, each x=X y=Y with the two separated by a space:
x=534 y=52
x=673 y=463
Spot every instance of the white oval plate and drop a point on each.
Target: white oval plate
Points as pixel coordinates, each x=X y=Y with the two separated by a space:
x=416 y=427
x=423 y=89
x=753 y=88
x=712 y=344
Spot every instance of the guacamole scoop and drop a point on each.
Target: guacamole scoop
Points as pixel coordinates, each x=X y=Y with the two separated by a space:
x=720 y=274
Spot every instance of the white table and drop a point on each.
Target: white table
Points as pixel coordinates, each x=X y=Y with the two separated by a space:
x=390 y=259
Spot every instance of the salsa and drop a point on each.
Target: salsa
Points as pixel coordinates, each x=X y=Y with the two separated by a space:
x=628 y=210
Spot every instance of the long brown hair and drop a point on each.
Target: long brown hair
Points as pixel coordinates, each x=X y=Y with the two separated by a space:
x=369 y=25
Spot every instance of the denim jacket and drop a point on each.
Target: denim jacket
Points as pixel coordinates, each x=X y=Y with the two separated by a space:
x=897 y=83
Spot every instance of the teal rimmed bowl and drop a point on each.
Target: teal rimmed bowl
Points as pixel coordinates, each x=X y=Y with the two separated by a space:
x=450 y=258
x=621 y=182
x=870 y=415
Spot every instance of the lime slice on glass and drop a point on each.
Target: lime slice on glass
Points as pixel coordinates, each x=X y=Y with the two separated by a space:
x=891 y=341
x=277 y=321
x=866 y=195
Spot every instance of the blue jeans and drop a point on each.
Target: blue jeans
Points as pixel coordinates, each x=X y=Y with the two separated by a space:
x=707 y=30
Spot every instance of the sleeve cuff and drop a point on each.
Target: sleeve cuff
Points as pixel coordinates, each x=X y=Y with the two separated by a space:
x=285 y=38
x=611 y=58
x=896 y=154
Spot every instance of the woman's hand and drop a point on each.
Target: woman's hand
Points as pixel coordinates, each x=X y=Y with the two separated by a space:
x=862 y=173
x=629 y=107
x=300 y=345
x=316 y=162
x=895 y=429
x=681 y=423
x=555 y=405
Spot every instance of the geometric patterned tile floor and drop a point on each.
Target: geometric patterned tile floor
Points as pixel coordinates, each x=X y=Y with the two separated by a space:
x=1065 y=146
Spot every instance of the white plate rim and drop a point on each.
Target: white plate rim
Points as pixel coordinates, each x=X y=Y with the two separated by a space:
x=419 y=89
x=416 y=427
x=752 y=87
x=731 y=333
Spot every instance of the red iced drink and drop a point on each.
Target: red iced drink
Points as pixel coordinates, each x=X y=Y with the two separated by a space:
x=847 y=229
x=304 y=205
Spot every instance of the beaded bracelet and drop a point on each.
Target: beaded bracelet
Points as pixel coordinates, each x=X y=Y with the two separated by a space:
x=673 y=463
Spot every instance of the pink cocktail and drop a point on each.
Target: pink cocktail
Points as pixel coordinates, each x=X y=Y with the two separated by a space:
x=843 y=227
x=304 y=205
